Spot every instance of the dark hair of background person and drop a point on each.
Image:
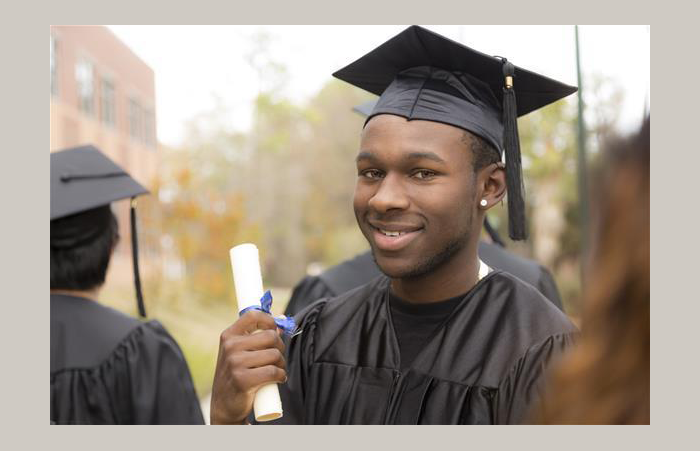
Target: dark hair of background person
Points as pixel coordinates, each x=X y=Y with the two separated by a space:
x=83 y=267
x=605 y=379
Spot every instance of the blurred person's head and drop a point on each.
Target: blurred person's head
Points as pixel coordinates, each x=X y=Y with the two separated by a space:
x=81 y=247
x=84 y=183
x=605 y=380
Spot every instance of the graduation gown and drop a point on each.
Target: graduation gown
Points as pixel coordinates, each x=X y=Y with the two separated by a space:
x=484 y=365
x=524 y=269
x=335 y=280
x=362 y=268
x=109 y=368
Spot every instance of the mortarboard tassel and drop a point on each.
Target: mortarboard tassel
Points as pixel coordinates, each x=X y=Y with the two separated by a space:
x=511 y=142
x=135 y=255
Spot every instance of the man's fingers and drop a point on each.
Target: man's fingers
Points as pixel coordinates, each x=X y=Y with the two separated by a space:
x=257 y=377
x=258 y=359
x=254 y=320
x=251 y=354
x=260 y=340
x=248 y=323
x=265 y=339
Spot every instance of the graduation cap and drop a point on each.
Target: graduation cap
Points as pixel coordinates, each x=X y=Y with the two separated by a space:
x=84 y=182
x=419 y=74
x=365 y=108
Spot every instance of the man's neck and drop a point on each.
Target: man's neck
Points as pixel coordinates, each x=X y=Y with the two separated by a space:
x=89 y=294
x=453 y=278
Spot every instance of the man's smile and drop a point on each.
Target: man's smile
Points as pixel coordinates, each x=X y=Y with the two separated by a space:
x=392 y=237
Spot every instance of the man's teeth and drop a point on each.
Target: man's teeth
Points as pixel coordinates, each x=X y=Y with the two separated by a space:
x=388 y=233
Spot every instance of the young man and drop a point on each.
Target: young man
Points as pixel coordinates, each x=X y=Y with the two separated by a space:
x=361 y=269
x=441 y=339
x=106 y=367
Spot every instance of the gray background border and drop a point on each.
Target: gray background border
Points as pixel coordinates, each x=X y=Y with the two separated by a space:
x=25 y=333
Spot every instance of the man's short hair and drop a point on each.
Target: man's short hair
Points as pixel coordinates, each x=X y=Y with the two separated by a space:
x=83 y=267
x=484 y=153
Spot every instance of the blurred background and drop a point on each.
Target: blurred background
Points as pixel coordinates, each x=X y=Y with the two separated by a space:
x=242 y=135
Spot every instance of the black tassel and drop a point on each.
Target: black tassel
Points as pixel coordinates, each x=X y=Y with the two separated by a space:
x=511 y=142
x=135 y=258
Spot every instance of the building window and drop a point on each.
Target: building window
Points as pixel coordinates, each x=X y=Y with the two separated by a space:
x=107 y=107
x=86 y=88
x=149 y=128
x=135 y=120
x=141 y=123
x=53 y=65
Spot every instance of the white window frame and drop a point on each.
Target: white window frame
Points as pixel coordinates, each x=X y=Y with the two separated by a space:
x=135 y=112
x=53 y=64
x=111 y=119
x=83 y=62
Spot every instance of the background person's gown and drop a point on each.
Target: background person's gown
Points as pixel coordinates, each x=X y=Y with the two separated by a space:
x=109 y=368
x=361 y=269
x=484 y=365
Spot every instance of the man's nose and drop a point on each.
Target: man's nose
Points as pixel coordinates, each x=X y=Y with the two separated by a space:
x=391 y=195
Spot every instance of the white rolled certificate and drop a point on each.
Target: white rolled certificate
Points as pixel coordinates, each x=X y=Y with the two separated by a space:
x=247 y=279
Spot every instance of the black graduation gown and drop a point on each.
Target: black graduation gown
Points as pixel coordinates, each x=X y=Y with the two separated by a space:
x=109 y=368
x=524 y=269
x=335 y=280
x=362 y=268
x=484 y=365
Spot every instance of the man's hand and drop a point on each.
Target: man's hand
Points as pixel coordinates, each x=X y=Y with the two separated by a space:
x=246 y=361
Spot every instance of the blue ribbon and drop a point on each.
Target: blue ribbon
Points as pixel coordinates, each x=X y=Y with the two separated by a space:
x=287 y=324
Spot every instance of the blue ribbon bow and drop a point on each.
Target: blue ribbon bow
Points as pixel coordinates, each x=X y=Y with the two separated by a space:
x=287 y=324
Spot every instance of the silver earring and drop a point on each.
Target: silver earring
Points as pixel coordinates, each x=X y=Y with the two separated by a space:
x=483 y=202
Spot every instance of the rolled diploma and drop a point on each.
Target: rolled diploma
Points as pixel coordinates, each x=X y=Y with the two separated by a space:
x=249 y=289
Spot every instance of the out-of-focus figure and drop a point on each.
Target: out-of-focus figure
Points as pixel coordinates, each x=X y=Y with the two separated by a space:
x=106 y=367
x=605 y=380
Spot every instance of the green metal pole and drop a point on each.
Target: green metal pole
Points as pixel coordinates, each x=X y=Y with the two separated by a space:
x=581 y=169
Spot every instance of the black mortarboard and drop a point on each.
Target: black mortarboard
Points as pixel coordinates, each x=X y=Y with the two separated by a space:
x=84 y=182
x=419 y=74
x=365 y=108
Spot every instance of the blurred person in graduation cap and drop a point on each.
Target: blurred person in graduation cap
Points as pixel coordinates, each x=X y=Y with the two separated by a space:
x=440 y=338
x=106 y=367
x=361 y=269
x=605 y=379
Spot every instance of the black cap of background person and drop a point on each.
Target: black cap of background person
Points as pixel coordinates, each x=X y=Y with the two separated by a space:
x=419 y=74
x=84 y=182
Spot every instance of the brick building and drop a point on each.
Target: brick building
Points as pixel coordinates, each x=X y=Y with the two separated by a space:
x=101 y=93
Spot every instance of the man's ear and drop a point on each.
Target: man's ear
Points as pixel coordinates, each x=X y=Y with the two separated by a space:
x=492 y=181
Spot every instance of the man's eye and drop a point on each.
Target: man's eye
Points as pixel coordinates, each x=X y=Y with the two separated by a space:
x=424 y=174
x=371 y=174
